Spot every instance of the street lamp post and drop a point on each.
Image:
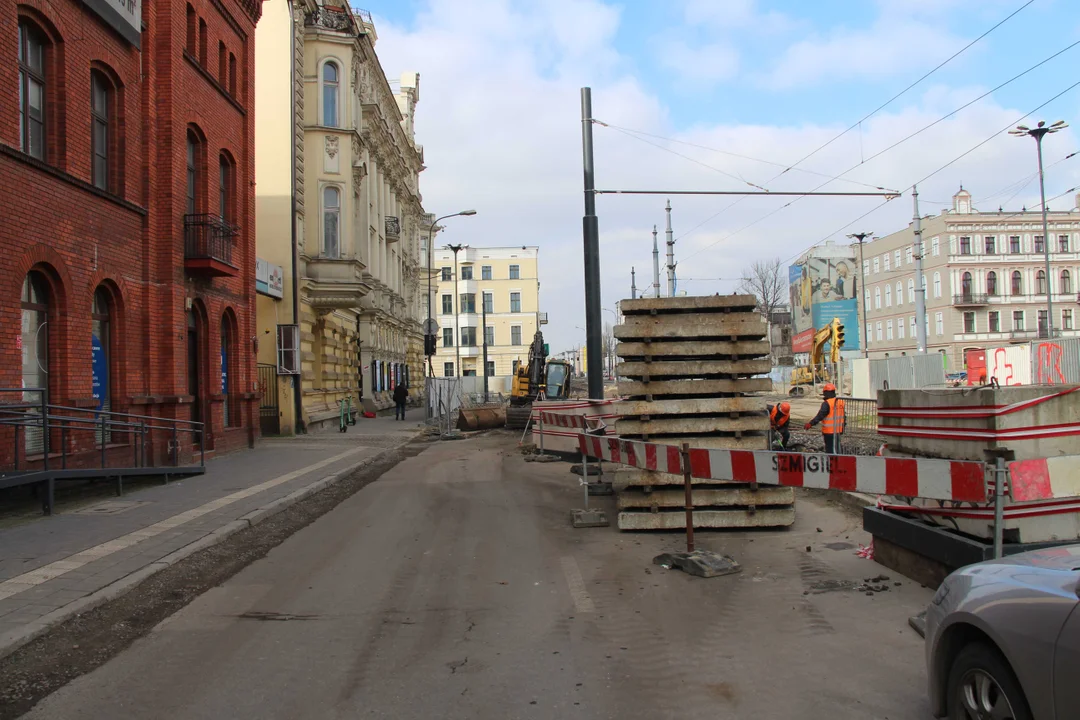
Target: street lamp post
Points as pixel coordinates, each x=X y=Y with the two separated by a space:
x=431 y=301
x=1038 y=132
x=861 y=292
x=457 y=321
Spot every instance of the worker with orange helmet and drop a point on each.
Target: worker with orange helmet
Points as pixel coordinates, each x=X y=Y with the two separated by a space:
x=831 y=417
x=779 y=418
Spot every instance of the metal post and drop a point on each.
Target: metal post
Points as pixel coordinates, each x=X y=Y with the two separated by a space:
x=689 y=502
x=540 y=430
x=142 y=433
x=176 y=446
x=483 y=322
x=457 y=320
x=63 y=447
x=1000 y=473
x=633 y=284
x=655 y=265
x=670 y=253
x=1046 y=247
x=861 y=294
x=591 y=231
x=920 y=287
x=585 y=467
x=103 y=440
x=45 y=429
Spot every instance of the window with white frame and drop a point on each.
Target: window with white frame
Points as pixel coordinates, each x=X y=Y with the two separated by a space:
x=935 y=247
x=888 y=329
x=896 y=257
x=911 y=289
x=515 y=334
x=1018 y=319
x=866 y=299
x=331 y=222
x=993 y=321
x=911 y=325
x=965 y=245
x=990 y=244
x=1063 y=243
x=937 y=285
x=969 y=322
x=1014 y=244
x=939 y=324
x=877 y=265
x=879 y=332
x=1066 y=319
x=515 y=303
x=900 y=328
x=910 y=256
x=330 y=84
x=877 y=298
x=869 y=333
x=899 y=293
x=888 y=265
x=888 y=296
x=866 y=267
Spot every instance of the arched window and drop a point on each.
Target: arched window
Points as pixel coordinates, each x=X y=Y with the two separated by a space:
x=1040 y=282
x=1017 y=283
x=101 y=101
x=911 y=289
x=1066 y=282
x=888 y=296
x=899 y=293
x=937 y=285
x=227 y=415
x=226 y=188
x=965 y=284
x=991 y=283
x=331 y=222
x=194 y=180
x=877 y=298
x=330 y=83
x=35 y=350
x=101 y=354
x=32 y=90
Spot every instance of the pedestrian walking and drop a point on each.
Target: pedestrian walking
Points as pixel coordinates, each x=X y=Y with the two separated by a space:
x=831 y=417
x=401 y=394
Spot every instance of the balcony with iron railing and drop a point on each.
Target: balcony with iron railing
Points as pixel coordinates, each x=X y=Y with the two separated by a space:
x=970 y=299
x=208 y=246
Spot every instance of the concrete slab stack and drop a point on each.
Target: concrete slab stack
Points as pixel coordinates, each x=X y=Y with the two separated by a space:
x=687 y=375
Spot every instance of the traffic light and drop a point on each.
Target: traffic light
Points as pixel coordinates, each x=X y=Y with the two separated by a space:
x=429 y=345
x=837 y=340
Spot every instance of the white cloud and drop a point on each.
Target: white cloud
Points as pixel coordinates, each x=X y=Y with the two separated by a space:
x=500 y=121
x=694 y=66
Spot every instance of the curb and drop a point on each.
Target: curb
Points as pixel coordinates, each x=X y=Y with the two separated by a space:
x=12 y=641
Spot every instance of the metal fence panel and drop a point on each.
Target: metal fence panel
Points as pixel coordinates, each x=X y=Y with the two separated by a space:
x=927 y=370
x=879 y=375
x=1010 y=365
x=860 y=416
x=1056 y=362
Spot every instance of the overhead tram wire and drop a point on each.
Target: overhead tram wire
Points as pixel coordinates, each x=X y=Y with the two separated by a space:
x=967 y=152
x=909 y=137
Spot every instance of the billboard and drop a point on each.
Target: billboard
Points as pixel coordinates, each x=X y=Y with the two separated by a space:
x=823 y=288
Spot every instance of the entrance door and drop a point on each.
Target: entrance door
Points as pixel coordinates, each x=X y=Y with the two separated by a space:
x=35 y=354
x=194 y=371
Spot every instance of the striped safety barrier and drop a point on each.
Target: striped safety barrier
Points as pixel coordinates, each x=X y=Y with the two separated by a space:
x=961 y=481
x=1045 y=478
x=563 y=420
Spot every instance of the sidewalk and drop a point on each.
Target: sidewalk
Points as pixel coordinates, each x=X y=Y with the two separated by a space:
x=57 y=566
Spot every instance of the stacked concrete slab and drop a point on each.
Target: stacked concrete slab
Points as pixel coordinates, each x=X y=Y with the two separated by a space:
x=687 y=372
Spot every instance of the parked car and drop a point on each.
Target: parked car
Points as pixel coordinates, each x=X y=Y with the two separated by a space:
x=1003 y=639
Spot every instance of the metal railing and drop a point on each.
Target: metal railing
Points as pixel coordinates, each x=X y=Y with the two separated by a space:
x=860 y=416
x=971 y=299
x=207 y=236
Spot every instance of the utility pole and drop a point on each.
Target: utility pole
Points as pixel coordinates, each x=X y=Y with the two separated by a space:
x=920 y=286
x=483 y=323
x=861 y=293
x=633 y=284
x=655 y=265
x=670 y=253
x=594 y=320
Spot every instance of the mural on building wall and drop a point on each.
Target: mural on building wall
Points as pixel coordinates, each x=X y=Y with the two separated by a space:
x=819 y=290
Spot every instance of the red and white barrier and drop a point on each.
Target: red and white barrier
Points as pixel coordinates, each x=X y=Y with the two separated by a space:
x=961 y=481
x=562 y=420
x=1045 y=478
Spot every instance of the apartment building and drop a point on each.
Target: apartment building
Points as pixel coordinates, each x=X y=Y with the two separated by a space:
x=126 y=147
x=340 y=207
x=985 y=279
x=501 y=282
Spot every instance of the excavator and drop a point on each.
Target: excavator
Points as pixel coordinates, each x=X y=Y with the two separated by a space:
x=540 y=375
x=817 y=371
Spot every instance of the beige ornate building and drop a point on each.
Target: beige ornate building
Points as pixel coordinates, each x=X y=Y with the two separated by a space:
x=346 y=141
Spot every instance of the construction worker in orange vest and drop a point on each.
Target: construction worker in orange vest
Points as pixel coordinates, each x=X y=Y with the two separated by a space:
x=779 y=418
x=831 y=417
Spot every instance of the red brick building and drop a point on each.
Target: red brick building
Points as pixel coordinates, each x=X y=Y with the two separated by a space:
x=127 y=222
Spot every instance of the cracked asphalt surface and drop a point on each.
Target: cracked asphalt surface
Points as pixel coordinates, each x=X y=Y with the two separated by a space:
x=454 y=587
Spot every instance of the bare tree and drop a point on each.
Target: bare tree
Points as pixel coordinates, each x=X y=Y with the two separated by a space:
x=764 y=281
x=609 y=349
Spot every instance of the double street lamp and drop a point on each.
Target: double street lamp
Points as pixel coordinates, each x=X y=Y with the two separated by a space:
x=429 y=326
x=1038 y=132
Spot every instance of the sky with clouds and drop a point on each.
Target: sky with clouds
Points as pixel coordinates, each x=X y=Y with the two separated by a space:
x=719 y=95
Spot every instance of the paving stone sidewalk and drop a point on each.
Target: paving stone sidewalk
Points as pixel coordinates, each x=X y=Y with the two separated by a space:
x=56 y=563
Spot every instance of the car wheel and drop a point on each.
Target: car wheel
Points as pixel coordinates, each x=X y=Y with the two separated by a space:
x=982 y=686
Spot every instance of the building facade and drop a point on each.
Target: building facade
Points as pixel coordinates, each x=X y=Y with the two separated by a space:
x=127 y=147
x=504 y=283
x=985 y=280
x=344 y=189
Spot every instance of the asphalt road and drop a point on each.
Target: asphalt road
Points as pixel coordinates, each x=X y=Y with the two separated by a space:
x=454 y=587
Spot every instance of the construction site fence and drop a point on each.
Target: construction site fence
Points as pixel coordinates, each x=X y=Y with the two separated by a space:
x=860 y=416
x=444 y=396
